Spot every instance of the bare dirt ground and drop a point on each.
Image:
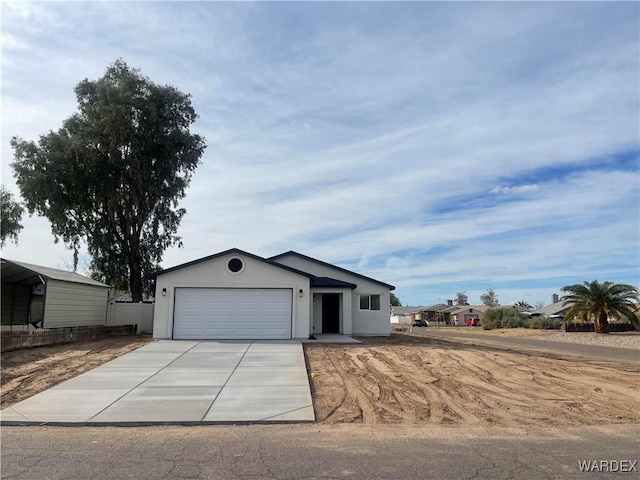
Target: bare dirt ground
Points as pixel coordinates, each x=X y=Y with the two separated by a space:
x=501 y=332
x=504 y=332
x=27 y=372
x=408 y=380
x=414 y=380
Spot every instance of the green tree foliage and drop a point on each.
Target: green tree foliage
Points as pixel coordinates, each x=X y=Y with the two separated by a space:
x=545 y=323
x=462 y=298
x=523 y=304
x=503 y=317
x=113 y=174
x=489 y=298
x=395 y=301
x=599 y=302
x=10 y=215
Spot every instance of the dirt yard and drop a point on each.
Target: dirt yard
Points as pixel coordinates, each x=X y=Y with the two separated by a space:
x=413 y=380
x=504 y=332
x=406 y=379
x=27 y=372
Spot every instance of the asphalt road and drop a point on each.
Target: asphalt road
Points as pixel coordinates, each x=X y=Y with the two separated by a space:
x=308 y=452
x=520 y=344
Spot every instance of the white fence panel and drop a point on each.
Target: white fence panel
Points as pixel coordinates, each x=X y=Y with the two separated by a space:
x=140 y=314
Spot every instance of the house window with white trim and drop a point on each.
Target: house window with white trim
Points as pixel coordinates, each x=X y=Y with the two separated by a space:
x=369 y=302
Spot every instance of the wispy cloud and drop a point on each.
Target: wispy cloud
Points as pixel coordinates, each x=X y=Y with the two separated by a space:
x=515 y=190
x=439 y=147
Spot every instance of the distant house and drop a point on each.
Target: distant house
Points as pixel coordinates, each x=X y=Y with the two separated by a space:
x=447 y=314
x=554 y=310
x=462 y=313
x=49 y=298
x=403 y=314
x=438 y=313
x=431 y=313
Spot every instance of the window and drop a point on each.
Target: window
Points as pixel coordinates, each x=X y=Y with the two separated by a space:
x=369 y=302
x=364 y=302
x=235 y=265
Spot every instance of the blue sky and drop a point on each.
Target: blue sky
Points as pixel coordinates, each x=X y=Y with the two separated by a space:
x=439 y=147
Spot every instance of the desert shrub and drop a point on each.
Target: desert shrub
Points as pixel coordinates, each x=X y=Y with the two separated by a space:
x=545 y=323
x=503 y=317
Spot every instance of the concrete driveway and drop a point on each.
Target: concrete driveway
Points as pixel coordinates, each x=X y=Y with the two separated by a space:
x=181 y=382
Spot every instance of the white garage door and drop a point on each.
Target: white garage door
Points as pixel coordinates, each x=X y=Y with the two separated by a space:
x=232 y=313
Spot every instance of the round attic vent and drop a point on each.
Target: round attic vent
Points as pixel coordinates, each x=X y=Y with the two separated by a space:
x=235 y=265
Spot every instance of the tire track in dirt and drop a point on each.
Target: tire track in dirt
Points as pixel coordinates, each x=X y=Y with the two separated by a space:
x=580 y=391
x=356 y=399
x=431 y=383
x=461 y=405
x=394 y=395
x=424 y=393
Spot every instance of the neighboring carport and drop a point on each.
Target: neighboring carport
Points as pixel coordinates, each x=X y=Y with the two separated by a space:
x=49 y=298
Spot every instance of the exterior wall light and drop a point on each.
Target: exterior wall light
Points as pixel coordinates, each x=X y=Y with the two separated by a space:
x=164 y=292
x=300 y=293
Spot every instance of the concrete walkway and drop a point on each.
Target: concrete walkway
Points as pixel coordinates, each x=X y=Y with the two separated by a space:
x=331 y=338
x=181 y=382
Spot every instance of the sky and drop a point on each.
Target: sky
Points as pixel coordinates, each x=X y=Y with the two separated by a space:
x=439 y=147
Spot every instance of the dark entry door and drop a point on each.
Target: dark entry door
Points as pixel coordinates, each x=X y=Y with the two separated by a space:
x=331 y=313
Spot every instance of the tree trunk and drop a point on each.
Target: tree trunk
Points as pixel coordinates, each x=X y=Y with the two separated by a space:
x=135 y=272
x=135 y=281
x=602 y=323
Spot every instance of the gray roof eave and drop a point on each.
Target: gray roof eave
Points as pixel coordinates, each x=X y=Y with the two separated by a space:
x=291 y=252
x=231 y=251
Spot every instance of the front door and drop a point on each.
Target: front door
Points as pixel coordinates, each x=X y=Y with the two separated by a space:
x=331 y=313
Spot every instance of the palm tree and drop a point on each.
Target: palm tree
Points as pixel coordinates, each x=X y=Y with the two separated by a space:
x=523 y=304
x=601 y=301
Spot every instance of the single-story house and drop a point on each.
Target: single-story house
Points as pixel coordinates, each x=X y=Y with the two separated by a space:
x=554 y=310
x=401 y=314
x=462 y=313
x=49 y=298
x=431 y=313
x=238 y=295
x=448 y=313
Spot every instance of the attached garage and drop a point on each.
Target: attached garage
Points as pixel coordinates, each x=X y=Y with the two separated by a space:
x=232 y=313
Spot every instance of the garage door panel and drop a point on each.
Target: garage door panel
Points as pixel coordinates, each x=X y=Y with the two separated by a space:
x=219 y=313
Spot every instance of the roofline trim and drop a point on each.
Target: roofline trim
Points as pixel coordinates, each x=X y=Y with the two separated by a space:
x=227 y=252
x=291 y=252
x=339 y=284
x=44 y=275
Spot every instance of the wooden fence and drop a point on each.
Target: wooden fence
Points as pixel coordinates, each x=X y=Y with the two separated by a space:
x=38 y=338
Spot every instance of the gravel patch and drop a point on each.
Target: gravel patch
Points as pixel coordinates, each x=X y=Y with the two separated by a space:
x=622 y=340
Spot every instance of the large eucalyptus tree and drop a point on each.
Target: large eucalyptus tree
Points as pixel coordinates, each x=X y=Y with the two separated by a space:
x=114 y=173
